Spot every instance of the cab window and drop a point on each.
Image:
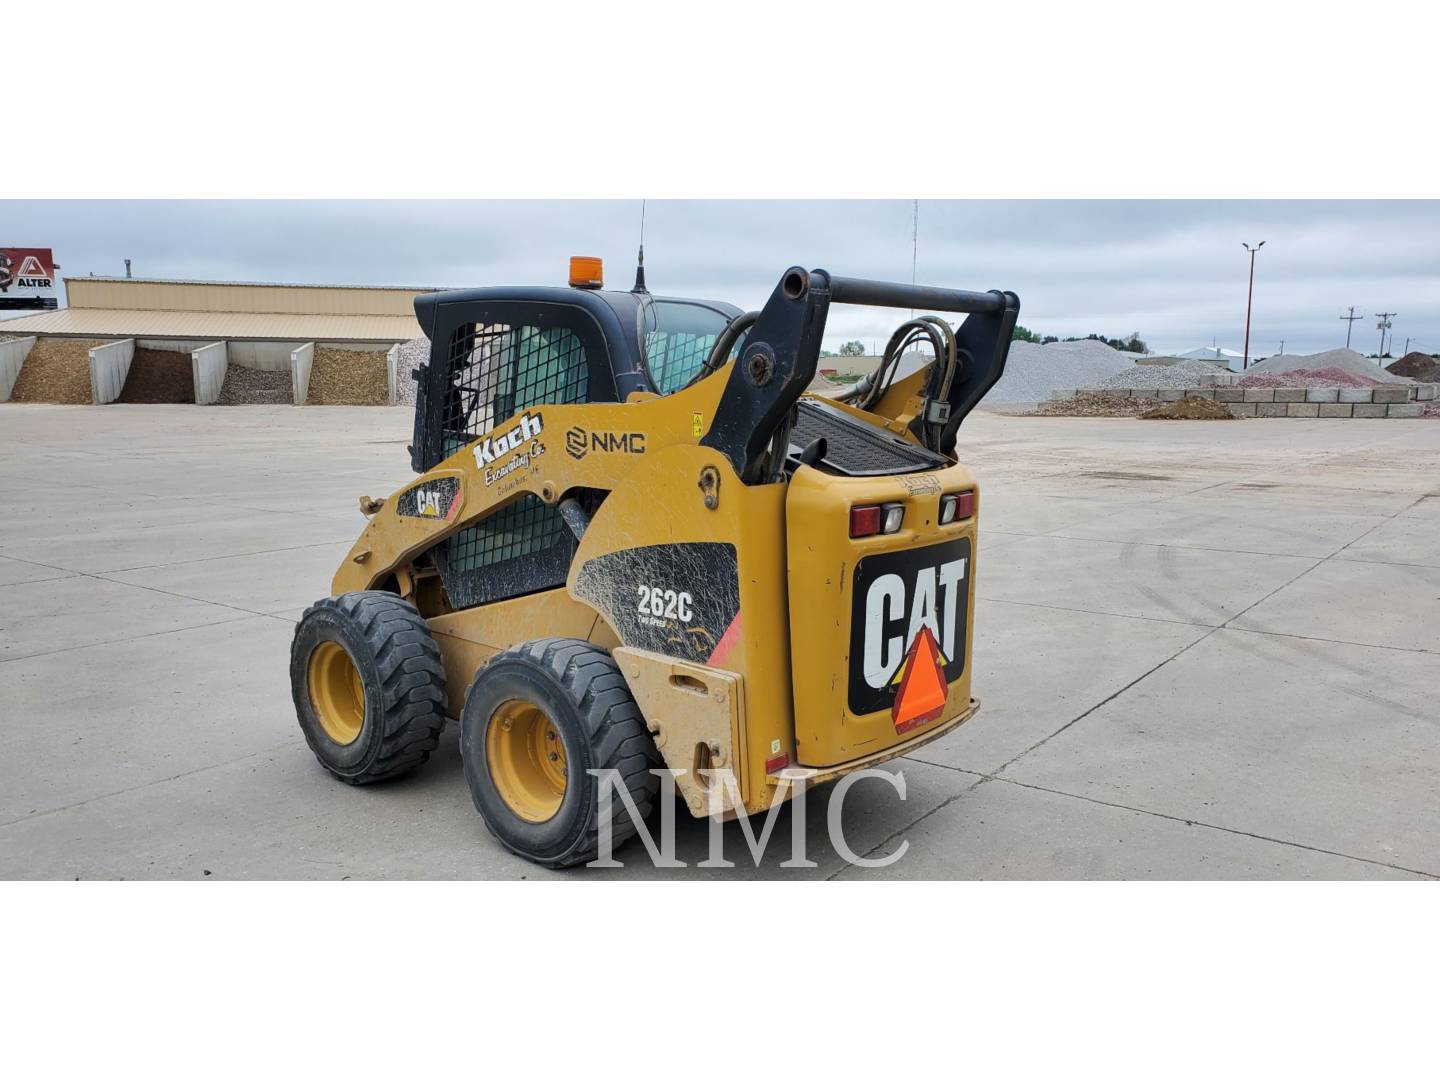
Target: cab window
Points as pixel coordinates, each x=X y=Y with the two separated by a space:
x=678 y=338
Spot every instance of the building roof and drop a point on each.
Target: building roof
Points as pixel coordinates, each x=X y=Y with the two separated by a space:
x=215 y=325
x=215 y=310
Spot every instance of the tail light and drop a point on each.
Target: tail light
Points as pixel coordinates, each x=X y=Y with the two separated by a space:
x=955 y=508
x=876 y=520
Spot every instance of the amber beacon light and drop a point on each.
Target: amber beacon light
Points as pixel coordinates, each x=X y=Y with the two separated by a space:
x=586 y=272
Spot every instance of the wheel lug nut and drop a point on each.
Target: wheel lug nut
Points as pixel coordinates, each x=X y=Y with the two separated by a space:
x=554 y=756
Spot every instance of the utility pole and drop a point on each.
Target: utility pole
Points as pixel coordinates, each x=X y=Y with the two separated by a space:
x=1350 y=323
x=1249 y=297
x=1407 y=348
x=1282 y=346
x=1383 y=325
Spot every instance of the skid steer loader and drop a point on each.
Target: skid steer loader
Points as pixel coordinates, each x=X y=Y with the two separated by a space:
x=639 y=542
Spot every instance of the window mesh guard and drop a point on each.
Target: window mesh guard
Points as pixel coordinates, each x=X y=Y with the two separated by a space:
x=494 y=371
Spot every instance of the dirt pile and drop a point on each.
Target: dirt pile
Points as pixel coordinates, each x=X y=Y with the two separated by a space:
x=1417 y=366
x=158 y=377
x=1190 y=409
x=346 y=377
x=1095 y=403
x=251 y=386
x=57 y=372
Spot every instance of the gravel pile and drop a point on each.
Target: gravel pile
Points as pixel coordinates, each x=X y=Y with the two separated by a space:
x=57 y=371
x=1095 y=403
x=1324 y=377
x=1417 y=366
x=251 y=386
x=1345 y=359
x=347 y=377
x=1034 y=372
x=1189 y=409
x=411 y=355
x=158 y=377
x=1182 y=373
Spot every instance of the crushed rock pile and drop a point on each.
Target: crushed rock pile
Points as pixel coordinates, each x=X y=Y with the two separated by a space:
x=251 y=386
x=1183 y=373
x=410 y=356
x=1417 y=366
x=56 y=372
x=1322 y=377
x=1189 y=409
x=1034 y=372
x=1095 y=403
x=1345 y=359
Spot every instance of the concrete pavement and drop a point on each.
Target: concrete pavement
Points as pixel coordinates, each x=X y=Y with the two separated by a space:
x=1204 y=651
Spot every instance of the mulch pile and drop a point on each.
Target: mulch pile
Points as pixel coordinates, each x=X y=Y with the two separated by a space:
x=1093 y=403
x=342 y=376
x=346 y=377
x=56 y=372
x=1417 y=366
x=1328 y=378
x=251 y=386
x=158 y=377
x=1190 y=409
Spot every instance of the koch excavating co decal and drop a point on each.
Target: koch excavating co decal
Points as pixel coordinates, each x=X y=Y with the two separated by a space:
x=907 y=630
x=436 y=499
x=496 y=450
x=682 y=600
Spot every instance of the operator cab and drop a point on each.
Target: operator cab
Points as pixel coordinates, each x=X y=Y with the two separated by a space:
x=498 y=351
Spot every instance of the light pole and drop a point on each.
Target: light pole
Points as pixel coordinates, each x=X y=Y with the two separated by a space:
x=1249 y=297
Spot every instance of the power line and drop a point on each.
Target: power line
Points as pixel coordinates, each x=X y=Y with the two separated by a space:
x=1350 y=323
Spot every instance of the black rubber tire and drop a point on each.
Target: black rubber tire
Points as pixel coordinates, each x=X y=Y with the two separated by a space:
x=583 y=693
x=399 y=665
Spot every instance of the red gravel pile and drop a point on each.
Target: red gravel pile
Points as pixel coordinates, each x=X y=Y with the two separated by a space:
x=1328 y=378
x=1417 y=366
x=158 y=377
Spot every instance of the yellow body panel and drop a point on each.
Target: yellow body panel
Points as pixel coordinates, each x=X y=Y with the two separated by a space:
x=794 y=602
x=822 y=566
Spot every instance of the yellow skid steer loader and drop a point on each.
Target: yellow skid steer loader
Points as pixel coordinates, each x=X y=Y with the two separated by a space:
x=638 y=542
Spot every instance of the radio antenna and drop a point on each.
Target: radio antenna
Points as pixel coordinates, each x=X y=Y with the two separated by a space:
x=640 y=266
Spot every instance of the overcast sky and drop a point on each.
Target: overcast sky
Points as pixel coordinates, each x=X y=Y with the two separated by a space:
x=1173 y=271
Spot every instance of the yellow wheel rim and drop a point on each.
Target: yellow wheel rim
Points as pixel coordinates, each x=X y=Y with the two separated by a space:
x=336 y=692
x=527 y=760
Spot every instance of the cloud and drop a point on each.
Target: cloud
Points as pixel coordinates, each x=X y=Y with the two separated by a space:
x=1172 y=270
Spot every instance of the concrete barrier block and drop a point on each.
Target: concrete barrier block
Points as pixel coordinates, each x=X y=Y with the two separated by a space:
x=1371 y=412
x=1240 y=408
x=12 y=355
x=1270 y=408
x=1356 y=395
x=1259 y=393
x=1426 y=393
x=1335 y=411
x=301 y=361
x=109 y=367
x=1390 y=395
x=1148 y=395
x=1321 y=393
x=207 y=371
x=1203 y=392
x=1290 y=393
x=1301 y=408
x=1408 y=411
x=1064 y=394
x=1230 y=393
